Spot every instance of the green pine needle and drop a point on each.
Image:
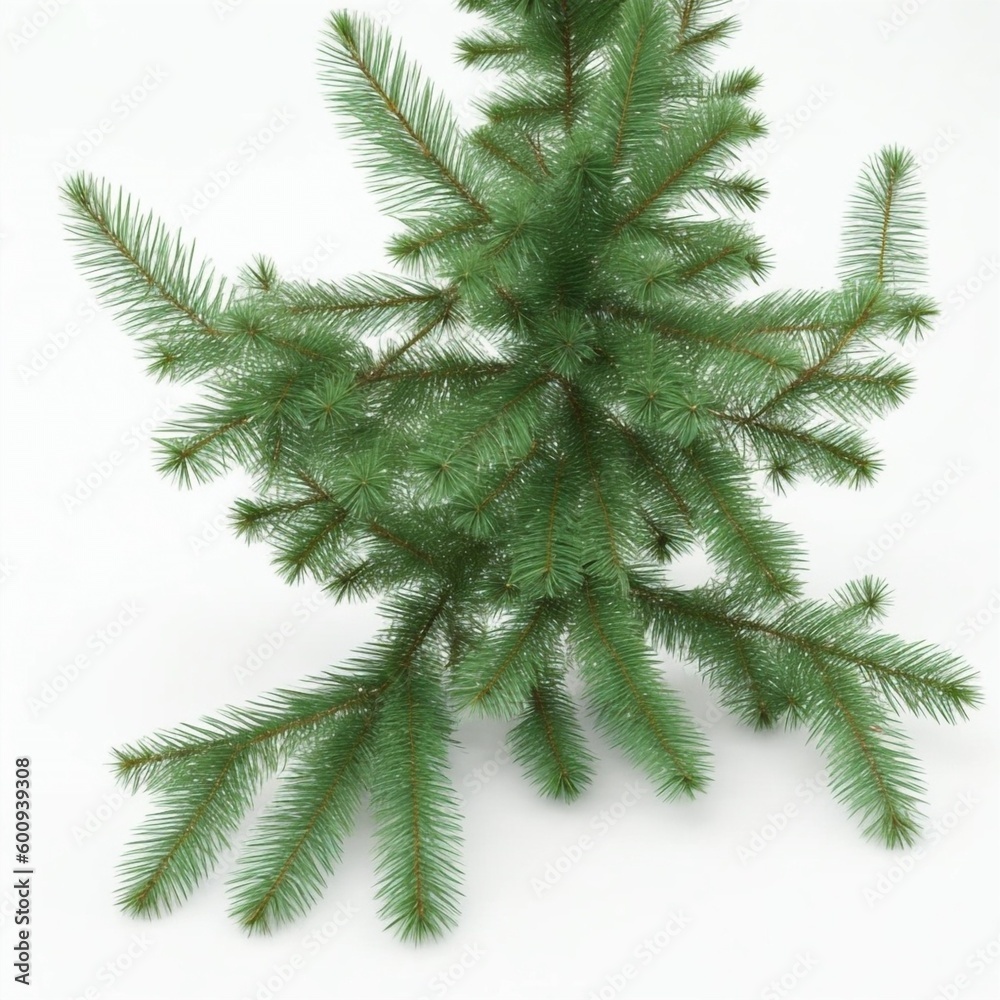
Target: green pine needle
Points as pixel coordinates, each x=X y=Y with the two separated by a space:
x=509 y=446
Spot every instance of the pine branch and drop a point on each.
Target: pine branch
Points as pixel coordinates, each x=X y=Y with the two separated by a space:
x=297 y=842
x=265 y=730
x=883 y=237
x=496 y=679
x=916 y=676
x=415 y=811
x=515 y=445
x=631 y=705
x=550 y=745
x=870 y=301
x=179 y=844
x=737 y=536
x=702 y=143
x=871 y=766
x=568 y=61
x=412 y=141
x=155 y=284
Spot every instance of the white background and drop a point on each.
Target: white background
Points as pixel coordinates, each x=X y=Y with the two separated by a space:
x=160 y=609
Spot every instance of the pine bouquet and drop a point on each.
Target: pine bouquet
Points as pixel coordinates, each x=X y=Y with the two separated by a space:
x=512 y=443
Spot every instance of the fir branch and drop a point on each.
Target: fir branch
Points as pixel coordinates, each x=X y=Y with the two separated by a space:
x=423 y=241
x=397 y=115
x=200 y=457
x=612 y=542
x=741 y=538
x=883 y=236
x=493 y=149
x=503 y=413
x=914 y=676
x=415 y=810
x=315 y=545
x=631 y=705
x=390 y=357
x=872 y=769
x=545 y=557
x=385 y=297
x=489 y=49
x=178 y=845
x=381 y=531
x=515 y=444
x=496 y=679
x=474 y=513
x=536 y=149
x=549 y=743
x=297 y=843
x=475 y=370
x=709 y=133
x=831 y=453
x=152 y=280
x=266 y=727
x=643 y=452
x=568 y=63
x=634 y=85
x=804 y=377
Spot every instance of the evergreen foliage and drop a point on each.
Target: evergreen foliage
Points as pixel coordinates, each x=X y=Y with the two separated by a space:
x=565 y=388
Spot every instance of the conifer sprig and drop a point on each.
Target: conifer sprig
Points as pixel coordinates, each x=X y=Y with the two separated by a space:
x=509 y=446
